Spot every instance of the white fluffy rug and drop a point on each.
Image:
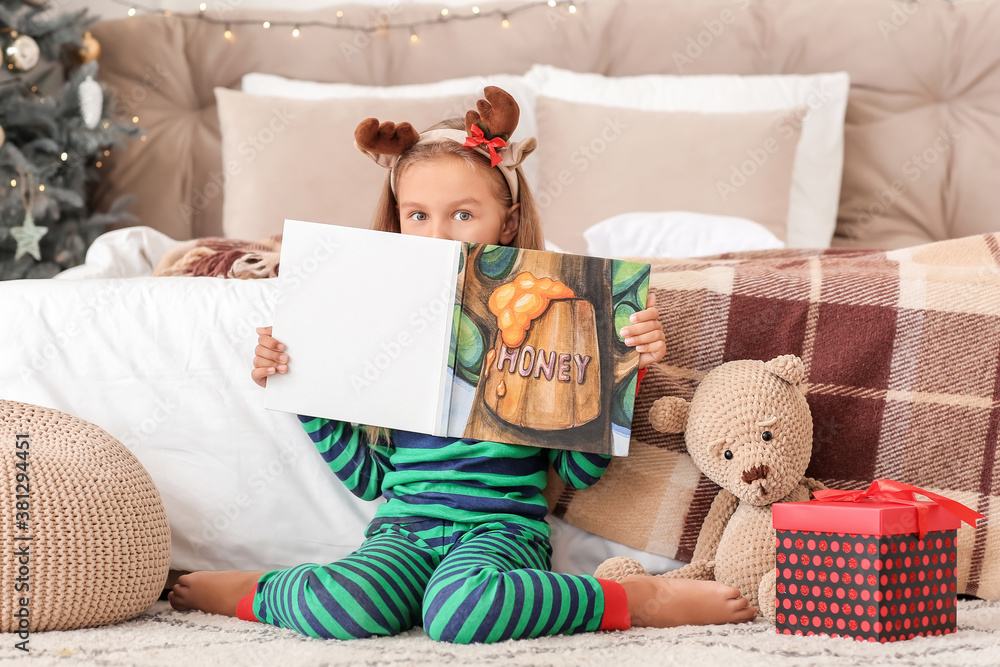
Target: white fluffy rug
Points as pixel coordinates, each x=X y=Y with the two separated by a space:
x=162 y=636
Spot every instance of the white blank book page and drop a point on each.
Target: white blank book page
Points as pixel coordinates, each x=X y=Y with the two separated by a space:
x=366 y=319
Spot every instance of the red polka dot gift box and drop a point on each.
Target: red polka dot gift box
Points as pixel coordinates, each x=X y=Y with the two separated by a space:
x=876 y=565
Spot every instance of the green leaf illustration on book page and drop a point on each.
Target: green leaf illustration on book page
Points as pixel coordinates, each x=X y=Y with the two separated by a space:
x=623 y=313
x=629 y=285
x=469 y=349
x=498 y=261
x=623 y=402
x=625 y=275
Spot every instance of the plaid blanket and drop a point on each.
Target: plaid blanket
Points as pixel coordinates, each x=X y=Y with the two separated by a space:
x=902 y=351
x=218 y=257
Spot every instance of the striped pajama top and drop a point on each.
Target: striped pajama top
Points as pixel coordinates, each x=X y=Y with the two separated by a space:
x=466 y=481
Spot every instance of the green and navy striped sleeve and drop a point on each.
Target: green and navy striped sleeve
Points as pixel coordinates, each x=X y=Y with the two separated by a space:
x=361 y=468
x=578 y=469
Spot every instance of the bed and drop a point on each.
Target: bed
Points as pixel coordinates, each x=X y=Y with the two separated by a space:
x=885 y=278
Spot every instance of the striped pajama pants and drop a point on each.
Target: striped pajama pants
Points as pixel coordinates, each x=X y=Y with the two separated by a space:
x=463 y=583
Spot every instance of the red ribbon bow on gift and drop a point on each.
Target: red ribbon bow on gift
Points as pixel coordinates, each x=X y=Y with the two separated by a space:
x=479 y=137
x=888 y=491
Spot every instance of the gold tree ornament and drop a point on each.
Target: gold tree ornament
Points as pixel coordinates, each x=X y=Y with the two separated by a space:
x=90 y=49
x=3 y=136
x=20 y=52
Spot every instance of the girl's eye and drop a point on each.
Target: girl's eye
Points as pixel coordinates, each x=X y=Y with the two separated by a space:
x=765 y=436
x=463 y=216
x=418 y=216
x=728 y=455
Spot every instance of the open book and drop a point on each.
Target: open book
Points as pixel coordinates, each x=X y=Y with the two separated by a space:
x=457 y=339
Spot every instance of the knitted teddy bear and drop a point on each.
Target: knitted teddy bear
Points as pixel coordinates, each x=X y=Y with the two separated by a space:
x=749 y=429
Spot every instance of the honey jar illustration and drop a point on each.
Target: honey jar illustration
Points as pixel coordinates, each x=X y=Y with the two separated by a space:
x=543 y=371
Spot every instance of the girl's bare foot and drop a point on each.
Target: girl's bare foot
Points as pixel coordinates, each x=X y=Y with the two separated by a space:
x=659 y=602
x=213 y=592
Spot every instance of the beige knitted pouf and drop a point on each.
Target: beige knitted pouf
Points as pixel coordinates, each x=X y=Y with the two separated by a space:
x=85 y=535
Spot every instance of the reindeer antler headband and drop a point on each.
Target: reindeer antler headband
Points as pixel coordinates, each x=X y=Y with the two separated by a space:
x=487 y=131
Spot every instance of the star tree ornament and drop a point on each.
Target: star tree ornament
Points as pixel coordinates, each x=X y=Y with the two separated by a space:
x=91 y=98
x=21 y=52
x=27 y=236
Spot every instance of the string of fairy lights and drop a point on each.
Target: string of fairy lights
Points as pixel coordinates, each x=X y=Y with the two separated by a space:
x=344 y=22
x=347 y=23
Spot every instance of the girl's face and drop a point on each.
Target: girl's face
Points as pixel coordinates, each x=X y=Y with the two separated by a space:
x=448 y=199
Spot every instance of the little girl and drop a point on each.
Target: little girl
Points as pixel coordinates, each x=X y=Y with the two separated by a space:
x=461 y=546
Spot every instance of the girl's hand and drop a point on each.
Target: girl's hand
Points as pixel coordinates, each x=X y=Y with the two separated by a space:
x=646 y=334
x=270 y=357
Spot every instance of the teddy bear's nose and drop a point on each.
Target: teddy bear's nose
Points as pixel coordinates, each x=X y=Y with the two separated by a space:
x=757 y=472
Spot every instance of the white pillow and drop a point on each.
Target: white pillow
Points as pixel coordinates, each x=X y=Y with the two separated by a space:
x=819 y=158
x=129 y=252
x=552 y=247
x=676 y=234
x=270 y=85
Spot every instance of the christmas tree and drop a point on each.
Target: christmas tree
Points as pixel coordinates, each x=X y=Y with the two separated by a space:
x=56 y=125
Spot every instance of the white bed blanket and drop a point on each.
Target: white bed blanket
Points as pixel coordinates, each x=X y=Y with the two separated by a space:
x=163 y=364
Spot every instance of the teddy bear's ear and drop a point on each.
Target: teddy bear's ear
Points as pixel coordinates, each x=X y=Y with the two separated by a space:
x=788 y=367
x=669 y=414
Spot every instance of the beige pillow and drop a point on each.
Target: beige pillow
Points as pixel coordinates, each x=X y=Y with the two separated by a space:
x=285 y=158
x=599 y=161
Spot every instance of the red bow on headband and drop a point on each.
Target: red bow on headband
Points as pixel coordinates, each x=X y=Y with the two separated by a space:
x=479 y=137
x=888 y=491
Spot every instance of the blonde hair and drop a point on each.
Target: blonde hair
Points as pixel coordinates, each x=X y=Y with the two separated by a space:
x=386 y=217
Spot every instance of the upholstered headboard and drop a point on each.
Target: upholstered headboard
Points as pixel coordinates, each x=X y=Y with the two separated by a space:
x=922 y=126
